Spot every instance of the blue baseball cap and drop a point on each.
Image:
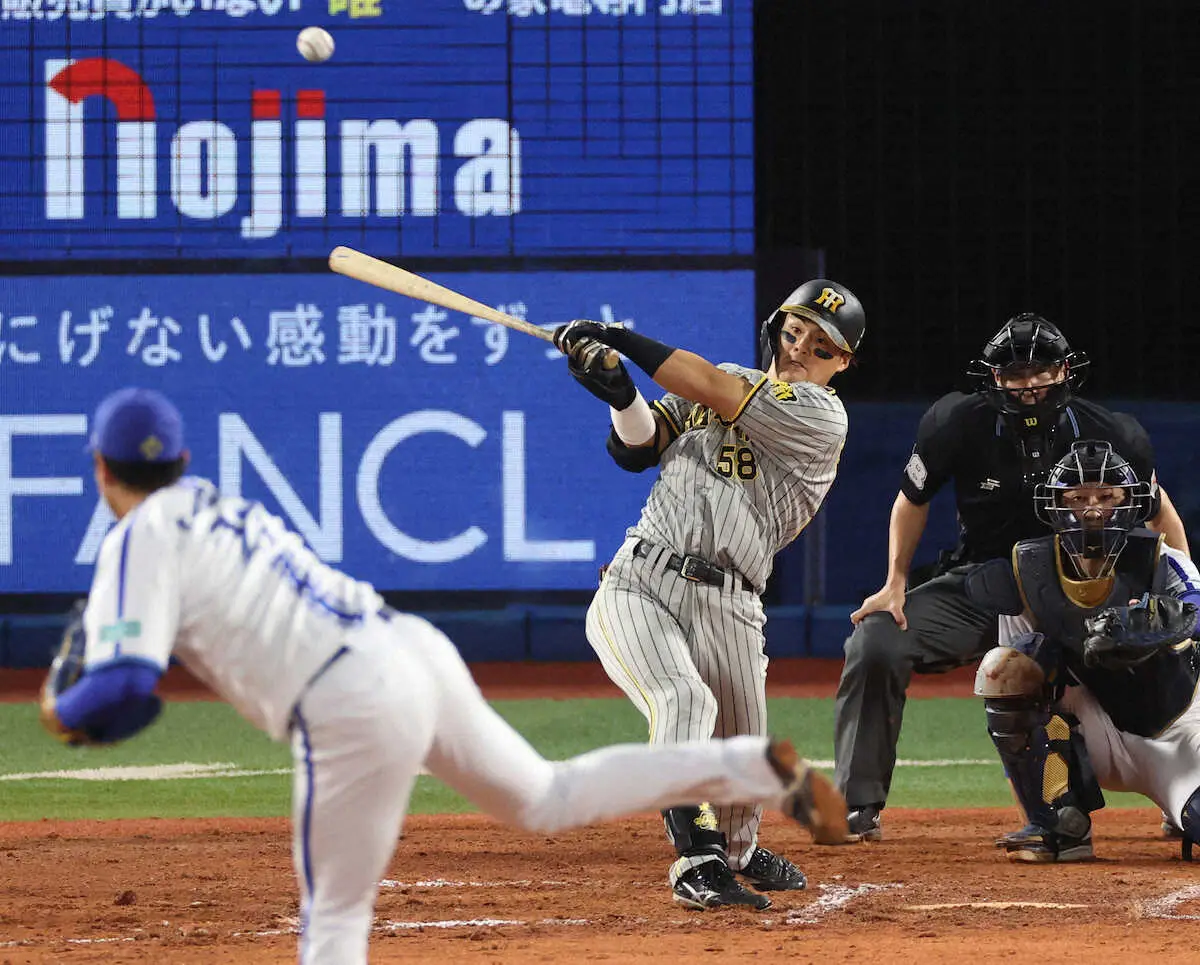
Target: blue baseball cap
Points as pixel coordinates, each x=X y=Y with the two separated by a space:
x=137 y=425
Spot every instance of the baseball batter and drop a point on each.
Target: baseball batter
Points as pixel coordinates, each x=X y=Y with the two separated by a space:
x=745 y=458
x=366 y=696
x=1086 y=690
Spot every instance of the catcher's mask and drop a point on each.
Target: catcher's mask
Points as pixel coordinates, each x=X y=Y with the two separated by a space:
x=1092 y=499
x=831 y=305
x=1026 y=344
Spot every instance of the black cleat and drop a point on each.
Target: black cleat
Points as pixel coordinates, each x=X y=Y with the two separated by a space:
x=768 y=871
x=712 y=885
x=864 y=825
x=1036 y=845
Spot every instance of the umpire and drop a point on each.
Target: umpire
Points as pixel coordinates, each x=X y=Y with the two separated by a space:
x=996 y=444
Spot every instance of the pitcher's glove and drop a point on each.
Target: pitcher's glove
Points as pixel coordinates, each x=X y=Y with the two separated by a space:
x=1125 y=636
x=65 y=671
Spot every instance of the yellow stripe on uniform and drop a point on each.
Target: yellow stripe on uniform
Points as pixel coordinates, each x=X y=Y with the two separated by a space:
x=672 y=426
x=746 y=401
x=612 y=646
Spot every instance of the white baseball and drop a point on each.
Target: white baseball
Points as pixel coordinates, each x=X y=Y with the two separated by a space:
x=315 y=44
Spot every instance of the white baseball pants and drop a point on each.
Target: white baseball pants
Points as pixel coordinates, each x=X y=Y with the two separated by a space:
x=402 y=698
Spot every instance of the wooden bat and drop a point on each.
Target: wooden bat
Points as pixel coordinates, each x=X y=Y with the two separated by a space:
x=354 y=264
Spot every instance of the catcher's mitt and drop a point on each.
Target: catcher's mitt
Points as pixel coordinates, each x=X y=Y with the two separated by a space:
x=1125 y=636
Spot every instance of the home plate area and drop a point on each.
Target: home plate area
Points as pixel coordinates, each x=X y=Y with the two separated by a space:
x=462 y=888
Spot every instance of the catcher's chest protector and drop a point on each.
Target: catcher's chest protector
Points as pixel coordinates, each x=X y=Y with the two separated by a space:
x=1142 y=700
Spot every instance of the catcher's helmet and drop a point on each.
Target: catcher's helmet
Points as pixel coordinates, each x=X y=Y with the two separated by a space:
x=1095 y=530
x=1028 y=341
x=832 y=306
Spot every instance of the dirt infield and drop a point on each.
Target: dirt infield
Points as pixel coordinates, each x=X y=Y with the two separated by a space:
x=462 y=889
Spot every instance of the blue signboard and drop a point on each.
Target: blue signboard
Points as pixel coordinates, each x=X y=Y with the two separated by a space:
x=414 y=447
x=194 y=129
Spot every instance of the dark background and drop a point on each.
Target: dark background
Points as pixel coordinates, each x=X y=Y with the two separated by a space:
x=960 y=162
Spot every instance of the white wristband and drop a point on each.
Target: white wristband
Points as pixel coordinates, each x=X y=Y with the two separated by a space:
x=635 y=424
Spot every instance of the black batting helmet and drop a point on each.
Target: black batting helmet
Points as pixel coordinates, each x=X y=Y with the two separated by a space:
x=1097 y=531
x=1028 y=341
x=832 y=306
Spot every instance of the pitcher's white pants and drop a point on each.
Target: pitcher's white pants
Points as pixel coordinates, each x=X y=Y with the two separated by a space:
x=402 y=698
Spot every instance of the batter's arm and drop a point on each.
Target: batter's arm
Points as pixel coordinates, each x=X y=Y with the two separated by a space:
x=683 y=373
x=693 y=377
x=1168 y=522
x=904 y=535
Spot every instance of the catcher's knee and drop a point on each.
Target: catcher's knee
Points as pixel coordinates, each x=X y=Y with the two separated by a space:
x=1008 y=672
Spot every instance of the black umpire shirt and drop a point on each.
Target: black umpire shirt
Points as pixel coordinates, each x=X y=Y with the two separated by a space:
x=961 y=437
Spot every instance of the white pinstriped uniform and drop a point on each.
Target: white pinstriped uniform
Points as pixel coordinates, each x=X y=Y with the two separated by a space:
x=688 y=654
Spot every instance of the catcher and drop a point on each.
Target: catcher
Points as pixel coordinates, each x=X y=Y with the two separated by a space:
x=1094 y=684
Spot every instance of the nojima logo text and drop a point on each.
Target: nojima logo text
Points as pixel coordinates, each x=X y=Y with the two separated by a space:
x=388 y=168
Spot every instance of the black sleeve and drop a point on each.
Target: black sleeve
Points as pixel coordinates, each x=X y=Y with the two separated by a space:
x=1133 y=442
x=935 y=453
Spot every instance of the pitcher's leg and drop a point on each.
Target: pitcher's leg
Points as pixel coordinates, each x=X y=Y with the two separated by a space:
x=358 y=740
x=478 y=754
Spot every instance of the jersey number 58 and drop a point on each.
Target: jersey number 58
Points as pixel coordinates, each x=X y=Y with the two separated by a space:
x=736 y=461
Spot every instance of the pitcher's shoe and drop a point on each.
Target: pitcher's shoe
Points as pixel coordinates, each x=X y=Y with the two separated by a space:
x=809 y=796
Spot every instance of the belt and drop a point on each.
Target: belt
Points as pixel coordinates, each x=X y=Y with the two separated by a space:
x=694 y=568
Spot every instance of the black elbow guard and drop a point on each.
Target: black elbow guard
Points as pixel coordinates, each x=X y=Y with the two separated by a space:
x=631 y=458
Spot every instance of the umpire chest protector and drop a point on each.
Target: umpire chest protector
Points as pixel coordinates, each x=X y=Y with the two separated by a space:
x=1141 y=700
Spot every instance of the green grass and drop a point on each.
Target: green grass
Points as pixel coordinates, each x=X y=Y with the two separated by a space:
x=202 y=733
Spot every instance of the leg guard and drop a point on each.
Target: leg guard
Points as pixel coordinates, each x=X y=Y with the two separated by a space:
x=693 y=831
x=1190 y=824
x=1046 y=760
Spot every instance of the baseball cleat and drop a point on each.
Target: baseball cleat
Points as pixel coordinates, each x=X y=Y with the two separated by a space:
x=809 y=796
x=1036 y=845
x=768 y=871
x=1170 y=830
x=712 y=885
x=863 y=825
x=1015 y=839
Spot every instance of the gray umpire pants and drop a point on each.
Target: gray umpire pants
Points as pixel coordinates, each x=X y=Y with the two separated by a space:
x=945 y=630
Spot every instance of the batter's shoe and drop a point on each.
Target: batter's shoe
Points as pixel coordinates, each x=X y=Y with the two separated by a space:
x=809 y=796
x=862 y=824
x=1036 y=845
x=768 y=871
x=712 y=885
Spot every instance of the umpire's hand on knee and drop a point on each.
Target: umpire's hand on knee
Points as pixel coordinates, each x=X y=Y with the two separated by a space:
x=889 y=599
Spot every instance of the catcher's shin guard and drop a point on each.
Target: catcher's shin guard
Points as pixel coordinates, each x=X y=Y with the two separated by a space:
x=1046 y=760
x=693 y=831
x=1190 y=825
